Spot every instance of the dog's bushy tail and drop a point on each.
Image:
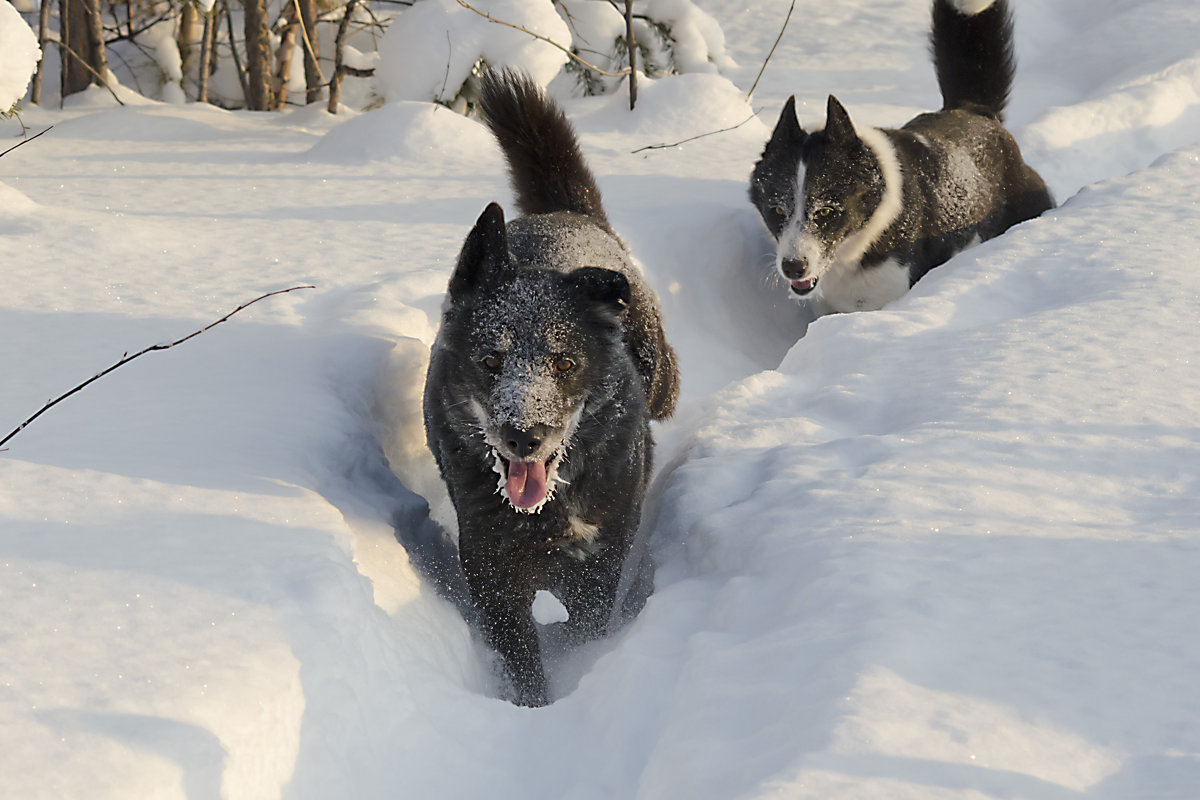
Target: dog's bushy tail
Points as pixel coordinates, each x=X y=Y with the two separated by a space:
x=972 y=43
x=545 y=164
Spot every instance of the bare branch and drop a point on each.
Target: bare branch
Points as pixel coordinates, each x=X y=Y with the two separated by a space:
x=83 y=62
x=237 y=61
x=539 y=37
x=631 y=46
x=449 y=55
x=767 y=60
x=692 y=138
x=312 y=63
x=133 y=33
x=23 y=141
x=127 y=358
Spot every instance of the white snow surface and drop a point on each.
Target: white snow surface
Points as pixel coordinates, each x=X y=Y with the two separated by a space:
x=19 y=54
x=944 y=550
x=431 y=48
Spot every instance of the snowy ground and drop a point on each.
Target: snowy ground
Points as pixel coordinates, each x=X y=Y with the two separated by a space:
x=944 y=550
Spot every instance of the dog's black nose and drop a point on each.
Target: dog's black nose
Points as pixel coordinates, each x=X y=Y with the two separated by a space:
x=523 y=442
x=794 y=268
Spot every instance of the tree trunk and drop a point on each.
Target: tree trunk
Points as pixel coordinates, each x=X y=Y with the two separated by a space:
x=191 y=31
x=283 y=55
x=207 y=41
x=35 y=92
x=335 y=83
x=82 y=45
x=313 y=78
x=258 y=55
x=96 y=56
x=73 y=36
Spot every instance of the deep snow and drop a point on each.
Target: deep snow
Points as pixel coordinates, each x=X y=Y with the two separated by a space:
x=944 y=550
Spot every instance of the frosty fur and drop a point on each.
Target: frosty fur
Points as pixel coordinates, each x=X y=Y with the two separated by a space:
x=860 y=214
x=548 y=367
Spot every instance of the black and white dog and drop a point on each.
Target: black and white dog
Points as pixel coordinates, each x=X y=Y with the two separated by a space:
x=860 y=214
x=548 y=368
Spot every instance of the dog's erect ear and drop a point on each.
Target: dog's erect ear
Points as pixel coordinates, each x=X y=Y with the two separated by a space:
x=787 y=130
x=838 y=126
x=484 y=256
x=605 y=286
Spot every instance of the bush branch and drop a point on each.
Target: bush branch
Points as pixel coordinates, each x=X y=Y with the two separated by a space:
x=127 y=358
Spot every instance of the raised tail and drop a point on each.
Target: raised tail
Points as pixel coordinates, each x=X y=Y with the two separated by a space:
x=972 y=43
x=545 y=165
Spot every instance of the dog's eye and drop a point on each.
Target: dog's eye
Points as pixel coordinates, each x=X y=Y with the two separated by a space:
x=492 y=361
x=825 y=211
x=562 y=364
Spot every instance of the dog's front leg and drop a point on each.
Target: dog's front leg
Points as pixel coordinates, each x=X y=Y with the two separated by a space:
x=504 y=603
x=588 y=590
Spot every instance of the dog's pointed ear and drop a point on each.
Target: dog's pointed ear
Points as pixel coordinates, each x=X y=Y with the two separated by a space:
x=604 y=286
x=484 y=256
x=838 y=126
x=787 y=130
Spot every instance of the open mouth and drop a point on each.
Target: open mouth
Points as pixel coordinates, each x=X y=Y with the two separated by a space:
x=804 y=287
x=527 y=485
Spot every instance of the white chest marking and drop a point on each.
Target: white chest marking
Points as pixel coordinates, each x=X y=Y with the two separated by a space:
x=848 y=287
x=582 y=539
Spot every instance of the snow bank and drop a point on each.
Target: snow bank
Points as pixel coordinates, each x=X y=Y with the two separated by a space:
x=952 y=472
x=19 y=54
x=406 y=130
x=699 y=42
x=431 y=49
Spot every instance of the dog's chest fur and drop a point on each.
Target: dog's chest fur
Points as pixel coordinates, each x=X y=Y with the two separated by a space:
x=853 y=287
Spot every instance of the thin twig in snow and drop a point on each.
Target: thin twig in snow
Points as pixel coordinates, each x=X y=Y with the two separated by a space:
x=786 y=19
x=127 y=358
x=23 y=141
x=693 y=138
x=449 y=55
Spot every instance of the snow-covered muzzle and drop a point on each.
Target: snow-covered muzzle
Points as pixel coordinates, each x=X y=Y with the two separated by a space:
x=801 y=259
x=527 y=483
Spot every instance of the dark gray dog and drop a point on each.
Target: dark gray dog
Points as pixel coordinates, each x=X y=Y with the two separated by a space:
x=548 y=368
x=860 y=214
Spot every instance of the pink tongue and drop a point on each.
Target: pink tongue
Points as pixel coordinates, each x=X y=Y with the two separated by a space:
x=526 y=484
